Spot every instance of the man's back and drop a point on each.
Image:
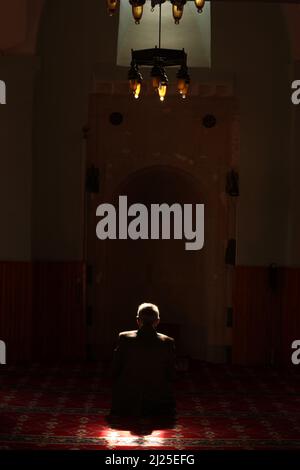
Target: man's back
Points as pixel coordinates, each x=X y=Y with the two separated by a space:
x=143 y=372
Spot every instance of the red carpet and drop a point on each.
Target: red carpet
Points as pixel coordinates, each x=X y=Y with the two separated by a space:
x=219 y=407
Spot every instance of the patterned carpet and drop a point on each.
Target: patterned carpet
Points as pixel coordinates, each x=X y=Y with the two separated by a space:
x=219 y=407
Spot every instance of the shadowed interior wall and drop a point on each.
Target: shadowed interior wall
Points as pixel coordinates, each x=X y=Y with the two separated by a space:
x=42 y=311
x=16 y=157
x=59 y=311
x=43 y=217
x=16 y=314
x=257 y=64
x=85 y=39
x=161 y=271
x=294 y=213
x=85 y=45
x=19 y=22
x=162 y=154
x=266 y=315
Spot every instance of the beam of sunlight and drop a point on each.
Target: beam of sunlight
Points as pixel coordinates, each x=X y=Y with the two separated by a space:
x=115 y=438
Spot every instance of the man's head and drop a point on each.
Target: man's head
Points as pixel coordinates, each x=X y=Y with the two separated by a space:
x=148 y=315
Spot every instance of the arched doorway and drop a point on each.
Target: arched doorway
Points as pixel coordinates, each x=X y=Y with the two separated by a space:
x=159 y=271
x=145 y=160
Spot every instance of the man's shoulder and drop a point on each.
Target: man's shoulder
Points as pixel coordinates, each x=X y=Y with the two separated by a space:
x=165 y=338
x=128 y=334
x=133 y=334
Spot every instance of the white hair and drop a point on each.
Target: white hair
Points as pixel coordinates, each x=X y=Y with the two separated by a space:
x=149 y=310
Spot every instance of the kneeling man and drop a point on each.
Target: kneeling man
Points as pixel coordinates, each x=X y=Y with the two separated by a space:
x=143 y=368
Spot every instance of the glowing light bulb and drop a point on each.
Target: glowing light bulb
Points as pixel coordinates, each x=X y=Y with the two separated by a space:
x=137 y=91
x=158 y=76
x=112 y=6
x=185 y=90
x=181 y=84
x=162 y=91
x=133 y=85
x=137 y=11
x=135 y=80
x=183 y=80
x=199 y=4
x=177 y=13
x=155 y=82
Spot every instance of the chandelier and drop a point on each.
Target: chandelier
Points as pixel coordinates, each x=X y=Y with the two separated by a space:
x=138 y=7
x=159 y=58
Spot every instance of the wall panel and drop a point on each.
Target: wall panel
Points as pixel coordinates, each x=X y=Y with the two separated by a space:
x=42 y=311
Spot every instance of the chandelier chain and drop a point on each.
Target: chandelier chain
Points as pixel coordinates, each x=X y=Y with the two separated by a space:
x=159 y=40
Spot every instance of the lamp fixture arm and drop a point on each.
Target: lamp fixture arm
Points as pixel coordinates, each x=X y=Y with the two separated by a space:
x=159 y=38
